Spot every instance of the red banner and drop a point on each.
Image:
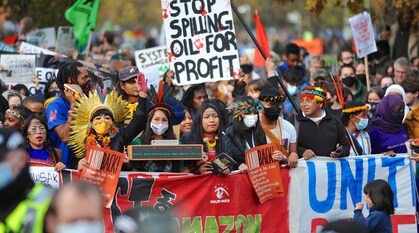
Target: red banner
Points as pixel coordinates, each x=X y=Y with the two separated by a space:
x=202 y=203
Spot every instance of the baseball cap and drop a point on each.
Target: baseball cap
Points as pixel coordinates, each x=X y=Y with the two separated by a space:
x=128 y=73
x=320 y=73
x=10 y=140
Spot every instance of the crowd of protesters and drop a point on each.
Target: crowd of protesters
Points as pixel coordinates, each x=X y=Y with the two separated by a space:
x=337 y=115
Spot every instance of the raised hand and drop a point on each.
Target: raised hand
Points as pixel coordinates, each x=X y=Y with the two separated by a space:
x=142 y=82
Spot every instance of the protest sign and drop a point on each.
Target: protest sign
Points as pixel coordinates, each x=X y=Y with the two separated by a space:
x=45 y=175
x=363 y=33
x=313 y=196
x=21 y=68
x=29 y=48
x=325 y=189
x=66 y=41
x=6 y=48
x=46 y=74
x=264 y=172
x=103 y=171
x=46 y=37
x=152 y=57
x=201 y=41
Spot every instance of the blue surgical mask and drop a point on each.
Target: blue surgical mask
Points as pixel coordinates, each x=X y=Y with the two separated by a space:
x=292 y=90
x=362 y=124
x=6 y=176
x=81 y=227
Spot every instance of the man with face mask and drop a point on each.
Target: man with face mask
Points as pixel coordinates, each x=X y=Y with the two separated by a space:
x=23 y=204
x=77 y=207
x=57 y=112
x=278 y=130
x=347 y=75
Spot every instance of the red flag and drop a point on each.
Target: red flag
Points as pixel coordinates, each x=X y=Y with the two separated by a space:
x=263 y=41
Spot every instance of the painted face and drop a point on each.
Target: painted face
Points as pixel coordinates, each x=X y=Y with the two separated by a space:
x=186 y=124
x=210 y=121
x=102 y=124
x=37 y=133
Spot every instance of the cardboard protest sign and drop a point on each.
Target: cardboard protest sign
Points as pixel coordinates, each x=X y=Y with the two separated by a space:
x=66 y=42
x=29 y=48
x=46 y=37
x=45 y=175
x=264 y=172
x=152 y=57
x=201 y=41
x=363 y=33
x=21 y=68
x=103 y=171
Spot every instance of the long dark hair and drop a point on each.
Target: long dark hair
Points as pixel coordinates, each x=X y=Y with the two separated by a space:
x=68 y=71
x=187 y=99
x=346 y=116
x=198 y=131
x=381 y=195
x=148 y=132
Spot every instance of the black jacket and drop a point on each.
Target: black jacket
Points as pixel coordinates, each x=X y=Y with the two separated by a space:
x=237 y=147
x=322 y=138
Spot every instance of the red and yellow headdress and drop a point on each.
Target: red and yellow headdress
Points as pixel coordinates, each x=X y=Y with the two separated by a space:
x=315 y=93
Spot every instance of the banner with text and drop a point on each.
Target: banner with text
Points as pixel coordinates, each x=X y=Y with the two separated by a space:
x=318 y=191
x=363 y=33
x=201 y=41
x=325 y=189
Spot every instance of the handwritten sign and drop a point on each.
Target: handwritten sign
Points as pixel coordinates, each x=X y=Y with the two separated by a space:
x=28 y=48
x=46 y=37
x=103 y=171
x=363 y=34
x=201 y=41
x=66 y=41
x=165 y=152
x=264 y=172
x=21 y=67
x=45 y=175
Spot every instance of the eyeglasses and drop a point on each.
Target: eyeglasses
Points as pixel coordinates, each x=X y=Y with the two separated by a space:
x=307 y=101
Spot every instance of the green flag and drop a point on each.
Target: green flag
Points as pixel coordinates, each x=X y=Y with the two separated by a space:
x=83 y=16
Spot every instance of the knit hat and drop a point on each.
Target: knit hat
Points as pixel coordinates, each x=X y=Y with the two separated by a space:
x=315 y=93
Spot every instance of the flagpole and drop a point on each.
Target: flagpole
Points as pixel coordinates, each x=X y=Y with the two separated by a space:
x=249 y=31
x=88 y=45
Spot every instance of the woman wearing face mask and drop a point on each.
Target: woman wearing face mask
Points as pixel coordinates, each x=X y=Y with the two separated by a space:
x=245 y=131
x=355 y=120
x=278 y=130
x=388 y=134
x=206 y=130
x=39 y=149
x=97 y=121
x=374 y=96
x=163 y=110
x=51 y=92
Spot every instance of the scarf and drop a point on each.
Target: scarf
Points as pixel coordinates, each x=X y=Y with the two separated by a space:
x=383 y=119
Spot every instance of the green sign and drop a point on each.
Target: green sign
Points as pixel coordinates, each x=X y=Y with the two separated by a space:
x=165 y=152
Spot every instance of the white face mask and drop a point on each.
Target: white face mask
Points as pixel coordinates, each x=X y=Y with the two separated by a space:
x=159 y=129
x=250 y=120
x=81 y=227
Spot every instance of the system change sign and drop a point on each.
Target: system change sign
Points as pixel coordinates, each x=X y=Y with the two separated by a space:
x=201 y=41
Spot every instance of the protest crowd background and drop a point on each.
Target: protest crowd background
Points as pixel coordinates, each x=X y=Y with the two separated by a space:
x=198 y=98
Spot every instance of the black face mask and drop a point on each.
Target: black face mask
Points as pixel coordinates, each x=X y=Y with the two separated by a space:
x=53 y=94
x=349 y=81
x=397 y=117
x=272 y=114
x=373 y=107
x=384 y=89
x=362 y=78
x=247 y=68
x=86 y=87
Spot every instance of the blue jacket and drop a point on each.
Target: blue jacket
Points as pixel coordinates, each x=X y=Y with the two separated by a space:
x=376 y=222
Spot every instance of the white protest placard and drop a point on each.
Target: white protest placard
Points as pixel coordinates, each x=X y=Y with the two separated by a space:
x=29 y=48
x=46 y=74
x=363 y=33
x=21 y=68
x=66 y=41
x=45 y=175
x=201 y=41
x=152 y=57
x=46 y=37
